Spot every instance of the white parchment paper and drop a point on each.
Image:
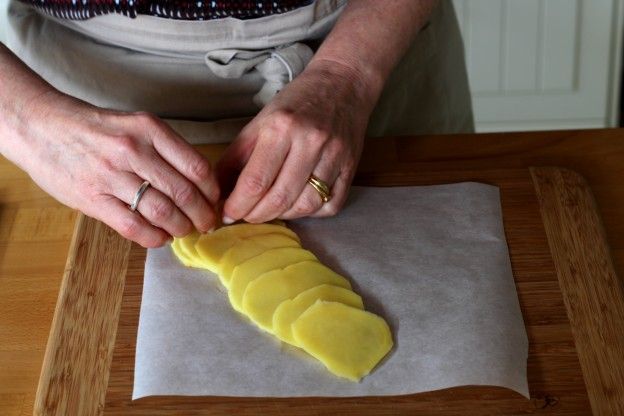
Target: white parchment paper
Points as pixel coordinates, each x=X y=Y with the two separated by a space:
x=432 y=261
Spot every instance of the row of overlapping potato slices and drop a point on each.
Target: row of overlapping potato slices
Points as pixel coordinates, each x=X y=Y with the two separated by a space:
x=286 y=291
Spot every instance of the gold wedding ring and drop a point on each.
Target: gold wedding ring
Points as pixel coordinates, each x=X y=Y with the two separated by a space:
x=320 y=187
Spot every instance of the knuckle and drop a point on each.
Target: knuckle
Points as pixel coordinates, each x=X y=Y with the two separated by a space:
x=279 y=200
x=130 y=227
x=283 y=118
x=127 y=145
x=93 y=185
x=317 y=137
x=107 y=167
x=145 y=119
x=349 y=165
x=255 y=185
x=90 y=188
x=339 y=147
x=161 y=210
x=307 y=205
x=281 y=122
x=184 y=194
x=200 y=170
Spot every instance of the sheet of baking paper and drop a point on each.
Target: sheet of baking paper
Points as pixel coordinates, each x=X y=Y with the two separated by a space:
x=432 y=261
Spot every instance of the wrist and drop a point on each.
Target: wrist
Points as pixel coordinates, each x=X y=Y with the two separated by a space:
x=367 y=82
x=19 y=114
x=30 y=124
x=21 y=88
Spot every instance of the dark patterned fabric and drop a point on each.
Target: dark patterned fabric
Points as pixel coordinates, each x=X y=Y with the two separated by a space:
x=173 y=9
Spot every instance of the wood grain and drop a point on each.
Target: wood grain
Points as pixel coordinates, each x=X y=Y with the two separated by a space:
x=76 y=365
x=32 y=260
x=554 y=373
x=592 y=293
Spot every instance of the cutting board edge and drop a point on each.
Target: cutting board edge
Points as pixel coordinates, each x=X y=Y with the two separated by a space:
x=63 y=366
x=86 y=226
x=578 y=252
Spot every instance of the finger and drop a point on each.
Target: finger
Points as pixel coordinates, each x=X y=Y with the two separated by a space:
x=234 y=159
x=130 y=224
x=178 y=189
x=340 y=191
x=310 y=201
x=182 y=156
x=256 y=177
x=154 y=206
x=292 y=178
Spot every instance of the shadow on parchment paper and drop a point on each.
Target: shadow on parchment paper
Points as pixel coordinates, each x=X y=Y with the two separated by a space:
x=353 y=197
x=371 y=302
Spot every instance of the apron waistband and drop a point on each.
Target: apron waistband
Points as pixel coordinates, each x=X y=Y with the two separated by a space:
x=158 y=35
x=230 y=47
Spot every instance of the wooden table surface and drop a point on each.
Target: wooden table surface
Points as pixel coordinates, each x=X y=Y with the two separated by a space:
x=35 y=230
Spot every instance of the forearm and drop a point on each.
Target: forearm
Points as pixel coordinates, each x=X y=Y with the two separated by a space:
x=19 y=88
x=19 y=83
x=370 y=38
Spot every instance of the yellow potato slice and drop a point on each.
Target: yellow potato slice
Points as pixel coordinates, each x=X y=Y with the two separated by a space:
x=273 y=259
x=264 y=294
x=177 y=250
x=288 y=311
x=211 y=247
x=348 y=341
x=187 y=247
x=251 y=247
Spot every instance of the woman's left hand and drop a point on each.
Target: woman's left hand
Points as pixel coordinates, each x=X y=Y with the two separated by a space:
x=314 y=126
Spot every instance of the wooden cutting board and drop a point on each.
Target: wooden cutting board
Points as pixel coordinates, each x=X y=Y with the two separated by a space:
x=571 y=300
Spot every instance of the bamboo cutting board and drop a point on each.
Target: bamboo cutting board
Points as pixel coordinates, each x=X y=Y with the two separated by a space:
x=572 y=303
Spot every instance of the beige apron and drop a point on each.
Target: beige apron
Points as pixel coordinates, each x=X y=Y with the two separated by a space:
x=208 y=78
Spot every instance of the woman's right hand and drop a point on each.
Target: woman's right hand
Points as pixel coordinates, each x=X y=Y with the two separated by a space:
x=95 y=160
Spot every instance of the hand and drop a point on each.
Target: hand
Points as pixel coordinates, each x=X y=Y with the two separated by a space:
x=95 y=160
x=315 y=125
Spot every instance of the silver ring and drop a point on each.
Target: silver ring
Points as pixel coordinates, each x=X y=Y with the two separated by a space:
x=138 y=195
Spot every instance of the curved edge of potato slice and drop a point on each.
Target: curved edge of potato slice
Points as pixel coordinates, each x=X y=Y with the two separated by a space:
x=277 y=258
x=251 y=247
x=187 y=247
x=350 y=342
x=177 y=251
x=286 y=291
x=265 y=293
x=211 y=247
x=288 y=311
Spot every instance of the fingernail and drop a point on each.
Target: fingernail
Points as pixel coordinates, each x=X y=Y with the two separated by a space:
x=227 y=220
x=210 y=230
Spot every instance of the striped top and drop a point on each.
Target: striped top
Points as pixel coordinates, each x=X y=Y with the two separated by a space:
x=173 y=9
